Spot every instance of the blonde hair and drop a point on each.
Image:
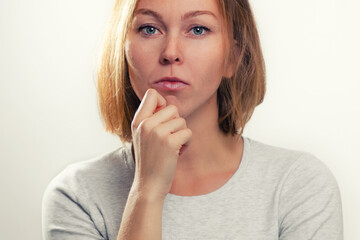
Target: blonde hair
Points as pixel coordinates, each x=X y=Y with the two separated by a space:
x=237 y=96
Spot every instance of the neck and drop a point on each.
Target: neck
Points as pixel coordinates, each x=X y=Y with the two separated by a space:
x=209 y=149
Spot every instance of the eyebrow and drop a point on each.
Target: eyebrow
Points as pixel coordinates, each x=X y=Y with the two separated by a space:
x=146 y=11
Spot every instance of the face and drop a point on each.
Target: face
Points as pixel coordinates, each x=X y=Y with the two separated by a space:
x=165 y=40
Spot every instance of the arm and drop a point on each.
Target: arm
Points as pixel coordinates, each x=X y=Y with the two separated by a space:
x=310 y=202
x=141 y=218
x=158 y=133
x=68 y=212
x=64 y=215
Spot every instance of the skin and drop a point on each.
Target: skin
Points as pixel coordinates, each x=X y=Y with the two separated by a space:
x=176 y=48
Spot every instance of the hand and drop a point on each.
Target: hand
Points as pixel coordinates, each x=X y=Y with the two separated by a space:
x=158 y=133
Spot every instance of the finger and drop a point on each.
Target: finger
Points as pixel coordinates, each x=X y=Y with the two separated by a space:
x=151 y=102
x=158 y=108
x=170 y=127
x=180 y=138
x=167 y=113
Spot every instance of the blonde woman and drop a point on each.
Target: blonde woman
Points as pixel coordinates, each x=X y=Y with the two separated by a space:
x=177 y=82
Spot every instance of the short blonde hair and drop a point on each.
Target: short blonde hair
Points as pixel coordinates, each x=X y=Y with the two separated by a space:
x=237 y=96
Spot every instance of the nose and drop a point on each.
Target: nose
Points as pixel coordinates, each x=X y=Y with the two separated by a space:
x=171 y=53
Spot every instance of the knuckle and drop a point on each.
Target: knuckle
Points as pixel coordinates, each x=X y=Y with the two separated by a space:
x=169 y=140
x=150 y=91
x=189 y=131
x=144 y=126
x=134 y=125
x=157 y=132
x=173 y=108
x=183 y=122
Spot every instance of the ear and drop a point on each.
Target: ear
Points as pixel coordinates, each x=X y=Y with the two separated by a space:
x=231 y=67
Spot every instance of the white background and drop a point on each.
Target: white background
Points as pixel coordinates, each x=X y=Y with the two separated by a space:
x=49 y=116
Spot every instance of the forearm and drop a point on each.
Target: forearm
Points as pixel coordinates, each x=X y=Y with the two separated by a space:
x=142 y=218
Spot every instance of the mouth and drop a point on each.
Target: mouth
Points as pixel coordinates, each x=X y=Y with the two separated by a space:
x=172 y=80
x=170 y=84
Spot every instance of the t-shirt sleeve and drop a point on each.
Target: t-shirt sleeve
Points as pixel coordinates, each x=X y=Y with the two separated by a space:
x=64 y=213
x=310 y=202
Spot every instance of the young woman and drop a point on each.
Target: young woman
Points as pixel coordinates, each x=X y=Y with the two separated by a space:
x=178 y=80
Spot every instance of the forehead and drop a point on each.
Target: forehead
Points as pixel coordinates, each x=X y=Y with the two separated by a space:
x=175 y=7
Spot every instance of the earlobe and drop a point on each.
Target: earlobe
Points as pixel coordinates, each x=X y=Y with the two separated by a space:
x=229 y=71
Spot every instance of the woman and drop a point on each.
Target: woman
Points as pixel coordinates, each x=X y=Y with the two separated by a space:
x=179 y=80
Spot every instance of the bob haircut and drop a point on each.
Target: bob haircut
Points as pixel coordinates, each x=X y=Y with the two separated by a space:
x=237 y=96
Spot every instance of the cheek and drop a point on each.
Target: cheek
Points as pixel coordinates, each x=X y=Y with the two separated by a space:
x=141 y=55
x=207 y=66
x=135 y=60
x=140 y=60
x=133 y=55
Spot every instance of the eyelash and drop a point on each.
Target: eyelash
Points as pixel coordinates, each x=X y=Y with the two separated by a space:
x=197 y=26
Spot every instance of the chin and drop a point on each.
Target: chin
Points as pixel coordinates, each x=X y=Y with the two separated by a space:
x=173 y=100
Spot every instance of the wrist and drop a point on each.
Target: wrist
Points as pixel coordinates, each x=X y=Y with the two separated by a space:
x=146 y=194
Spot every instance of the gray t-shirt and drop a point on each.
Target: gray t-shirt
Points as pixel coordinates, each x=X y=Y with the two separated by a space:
x=275 y=193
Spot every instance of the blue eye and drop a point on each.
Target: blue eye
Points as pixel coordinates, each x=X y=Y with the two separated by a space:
x=200 y=29
x=151 y=30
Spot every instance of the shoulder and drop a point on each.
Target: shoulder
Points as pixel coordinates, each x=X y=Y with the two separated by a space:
x=262 y=151
x=82 y=177
x=290 y=168
x=73 y=202
x=278 y=159
x=307 y=193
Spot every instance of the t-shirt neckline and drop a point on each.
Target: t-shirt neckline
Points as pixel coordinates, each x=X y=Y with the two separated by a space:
x=220 y=191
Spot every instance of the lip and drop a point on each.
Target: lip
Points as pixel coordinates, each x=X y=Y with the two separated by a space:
x=171 y=79
x=170 y=84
